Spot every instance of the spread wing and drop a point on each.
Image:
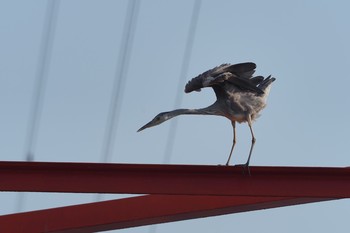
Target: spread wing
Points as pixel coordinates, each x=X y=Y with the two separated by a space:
x=239 y=75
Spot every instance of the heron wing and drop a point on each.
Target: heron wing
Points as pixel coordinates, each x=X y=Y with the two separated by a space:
x=239 y=75
x=205 y=79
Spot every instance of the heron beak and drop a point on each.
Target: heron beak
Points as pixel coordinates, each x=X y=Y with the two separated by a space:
x=149 y=124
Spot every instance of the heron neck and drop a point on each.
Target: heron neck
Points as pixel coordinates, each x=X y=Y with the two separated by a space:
x=210 y=110
x=185 y=111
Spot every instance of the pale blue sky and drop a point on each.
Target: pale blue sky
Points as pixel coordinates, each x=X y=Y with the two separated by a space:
x=304 y=44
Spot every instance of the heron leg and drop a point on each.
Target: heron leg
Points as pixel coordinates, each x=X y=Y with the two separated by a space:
x=234 y=141
x=252 y=145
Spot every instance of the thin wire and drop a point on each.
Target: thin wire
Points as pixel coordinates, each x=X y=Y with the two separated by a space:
x=183 y=74
x=120 y=78
x=182 y=79
x=119 y=81
x=41 y=77
x=44 y=59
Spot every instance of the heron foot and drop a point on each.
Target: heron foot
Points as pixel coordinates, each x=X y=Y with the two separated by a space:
x=246 y=169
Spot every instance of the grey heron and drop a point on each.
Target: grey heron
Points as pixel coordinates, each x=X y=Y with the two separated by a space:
x=240 y=97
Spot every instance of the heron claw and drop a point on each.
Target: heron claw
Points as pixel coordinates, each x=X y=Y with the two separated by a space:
x=246 y=166
x=245 y=169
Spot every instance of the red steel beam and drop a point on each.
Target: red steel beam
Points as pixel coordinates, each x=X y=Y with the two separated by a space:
x=137 y=211
x=313 y=182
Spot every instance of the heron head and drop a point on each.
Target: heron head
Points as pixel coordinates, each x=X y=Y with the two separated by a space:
x=160 y=118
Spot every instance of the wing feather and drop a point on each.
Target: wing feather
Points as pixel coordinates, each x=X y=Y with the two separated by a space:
x=239 y=75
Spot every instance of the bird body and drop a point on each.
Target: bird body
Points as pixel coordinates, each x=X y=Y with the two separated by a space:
x=240 y=96
x=241 y=104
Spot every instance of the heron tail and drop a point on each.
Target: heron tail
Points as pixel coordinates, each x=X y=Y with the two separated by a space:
x=266 y=83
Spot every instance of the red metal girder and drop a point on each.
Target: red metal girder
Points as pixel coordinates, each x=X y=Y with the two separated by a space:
x=136 y=211
x=175 y=179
